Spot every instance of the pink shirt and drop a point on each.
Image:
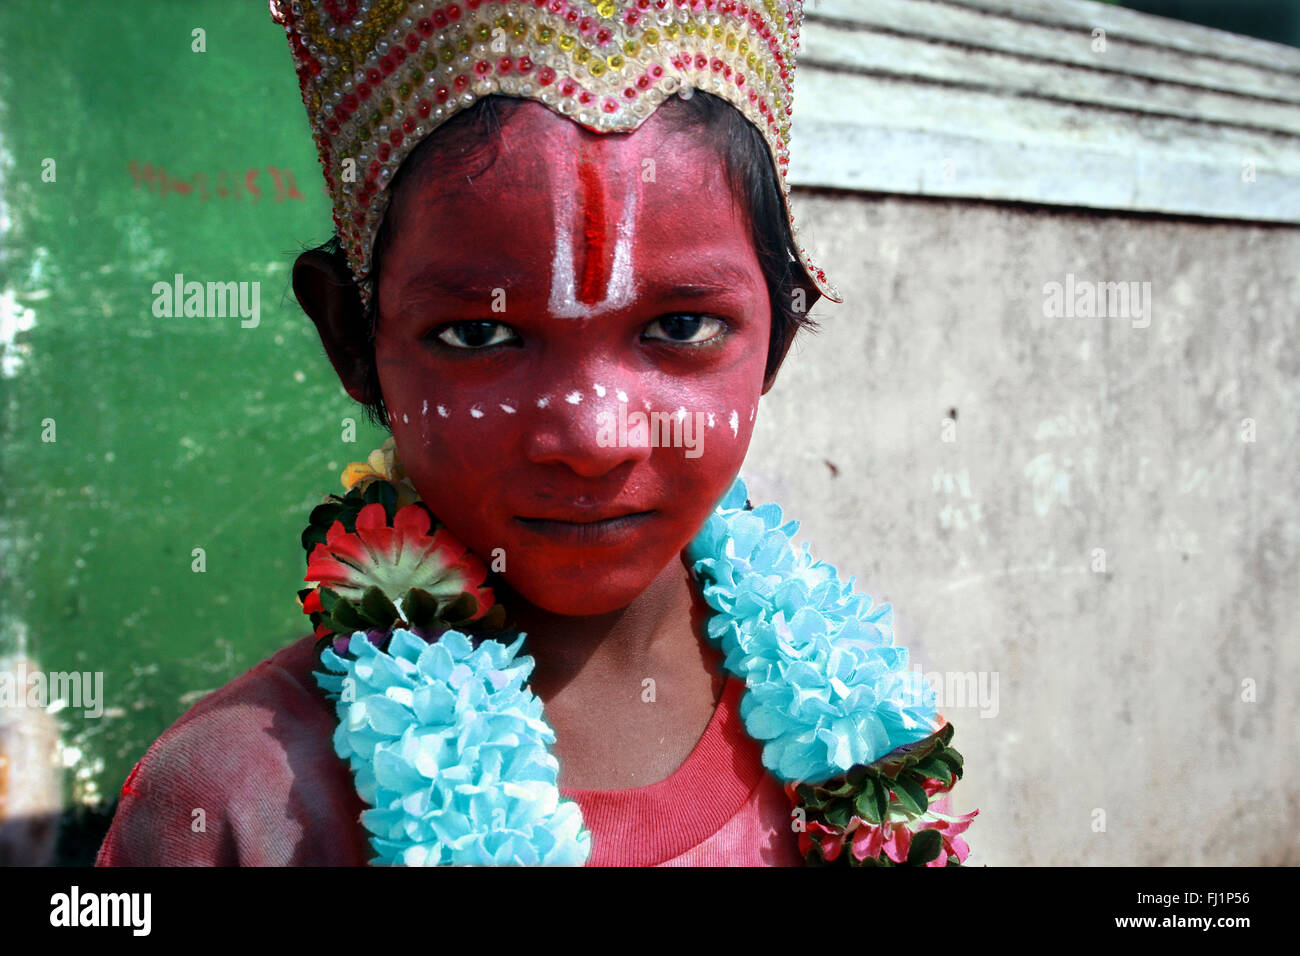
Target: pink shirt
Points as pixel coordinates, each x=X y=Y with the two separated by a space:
x=248 y=777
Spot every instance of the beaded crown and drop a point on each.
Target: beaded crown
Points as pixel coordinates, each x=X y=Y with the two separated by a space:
x=378 y=76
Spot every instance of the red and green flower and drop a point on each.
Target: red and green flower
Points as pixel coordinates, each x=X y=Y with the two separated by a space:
x=379 y=565
x=881 y=814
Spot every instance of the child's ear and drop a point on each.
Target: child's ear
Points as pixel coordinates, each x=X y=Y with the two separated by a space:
x=328 y=295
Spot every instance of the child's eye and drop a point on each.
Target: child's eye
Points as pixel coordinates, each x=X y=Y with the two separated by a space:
x=478 y=334
x=685 y=327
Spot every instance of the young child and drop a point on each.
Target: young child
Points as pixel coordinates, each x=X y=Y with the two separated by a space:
x=563 y=278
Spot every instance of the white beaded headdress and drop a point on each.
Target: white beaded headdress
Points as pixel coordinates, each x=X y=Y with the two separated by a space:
x=378 y=76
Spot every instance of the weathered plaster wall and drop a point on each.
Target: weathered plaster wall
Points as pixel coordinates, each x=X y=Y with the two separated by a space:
x=1117 y=690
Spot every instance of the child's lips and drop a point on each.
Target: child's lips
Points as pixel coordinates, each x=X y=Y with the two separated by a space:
x=589 y=530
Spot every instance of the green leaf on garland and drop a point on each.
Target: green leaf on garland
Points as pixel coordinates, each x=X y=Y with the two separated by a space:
x=319 y=522
x=381 y=492
x=461 y=609
x=376 y=606
x=348 y=619
x=324 y=515
x=420 y=607
x=911 y=795
x=882 y=799
x=328 y=599
x=335 y=626
x=935 y=768
x=310 y=538
x=926 y=845
x=845 y=789
x=839 y=813
x=867 y=802
x=954 y=762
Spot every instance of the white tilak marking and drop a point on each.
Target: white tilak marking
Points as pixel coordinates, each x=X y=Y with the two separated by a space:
x=544 y=401
x=476 y=412
x=442 y=410
x=734 y=422
x=621 y=288
x=573 y=398
x=508 y=409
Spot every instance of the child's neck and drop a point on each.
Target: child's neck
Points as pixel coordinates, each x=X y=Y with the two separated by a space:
x=627 y=693
x=615 y=646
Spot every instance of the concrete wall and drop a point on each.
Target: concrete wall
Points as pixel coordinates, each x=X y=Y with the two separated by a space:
x=1158 y=691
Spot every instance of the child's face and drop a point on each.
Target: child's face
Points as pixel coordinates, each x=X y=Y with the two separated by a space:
x=592 y=277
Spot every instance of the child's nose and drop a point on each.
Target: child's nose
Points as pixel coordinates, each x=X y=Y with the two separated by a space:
x=585 y=428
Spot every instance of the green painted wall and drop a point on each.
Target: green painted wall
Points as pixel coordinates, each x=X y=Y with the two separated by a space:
x=170 y=433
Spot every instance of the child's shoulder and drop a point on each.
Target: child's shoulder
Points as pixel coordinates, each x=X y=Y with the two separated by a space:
x=243 y=777
x=284 y=678
x=273 y=702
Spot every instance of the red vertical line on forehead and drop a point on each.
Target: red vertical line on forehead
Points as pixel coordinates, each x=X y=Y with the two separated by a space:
x=595 y=268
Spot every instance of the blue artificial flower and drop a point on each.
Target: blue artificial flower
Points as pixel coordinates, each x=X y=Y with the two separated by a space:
x=450 y=751
x=827 y=688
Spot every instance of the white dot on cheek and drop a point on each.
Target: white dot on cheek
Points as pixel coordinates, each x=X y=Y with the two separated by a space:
x=622 y=395
x=478 y=412
x=544 y=401
x=573 y=398
x=600 y=389
x=508 y=409
x=442 y=410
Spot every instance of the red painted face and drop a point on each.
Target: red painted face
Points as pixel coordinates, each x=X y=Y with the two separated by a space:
x=571 y=350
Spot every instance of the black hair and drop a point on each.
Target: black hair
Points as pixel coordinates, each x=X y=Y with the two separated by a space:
x=750 y=174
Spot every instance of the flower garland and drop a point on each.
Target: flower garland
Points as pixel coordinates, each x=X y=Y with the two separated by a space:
x=449 y=746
